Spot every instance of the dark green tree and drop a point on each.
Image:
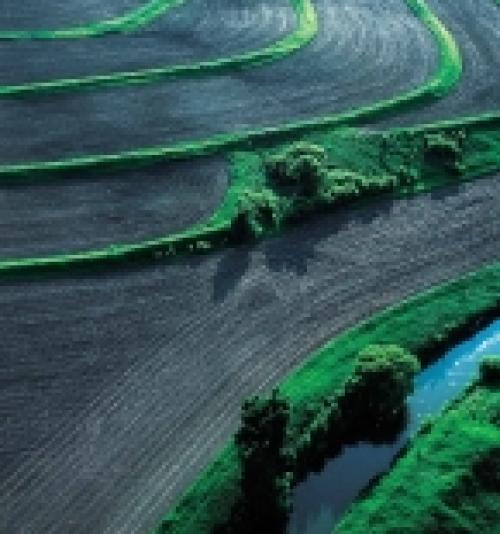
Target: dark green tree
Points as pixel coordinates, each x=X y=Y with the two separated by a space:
x=264 y=463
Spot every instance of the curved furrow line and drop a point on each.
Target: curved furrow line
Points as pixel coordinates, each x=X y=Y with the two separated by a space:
x=217 y=105
x=293 y=309
x=264 y=21
x=115 y=450
x=198 y=30
x=97 y=211
x=476 y=27
x=130 y=21
x=405 y=22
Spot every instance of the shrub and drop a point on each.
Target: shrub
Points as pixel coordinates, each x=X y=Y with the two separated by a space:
x=264 y=461
x=257 y=211
x=382 y=380
x=445 y=148
x=301 y=165
x=490 y=371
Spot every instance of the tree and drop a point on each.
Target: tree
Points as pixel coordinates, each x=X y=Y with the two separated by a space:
x=264 y=462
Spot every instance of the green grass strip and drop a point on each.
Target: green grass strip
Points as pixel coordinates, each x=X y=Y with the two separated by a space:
x=347 y=148
x=129 y=22
x=447 y=76
x=445 y=482
x=307 y=28
x=430 y=319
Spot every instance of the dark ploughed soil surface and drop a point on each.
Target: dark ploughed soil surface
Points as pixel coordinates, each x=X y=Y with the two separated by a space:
x=56 y=14
x=93 y=211
x=135 y=378
x=475 y=25
x=193 y=31
x=365 y=51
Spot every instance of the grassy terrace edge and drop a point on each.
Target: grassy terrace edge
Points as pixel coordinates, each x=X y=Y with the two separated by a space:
x=447 y=76
x=128 y=22
x=445 y=479
x=307 y=28
x=426 y=325
x=216 y=231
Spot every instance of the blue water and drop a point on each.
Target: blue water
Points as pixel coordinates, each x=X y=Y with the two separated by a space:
x=322 y=498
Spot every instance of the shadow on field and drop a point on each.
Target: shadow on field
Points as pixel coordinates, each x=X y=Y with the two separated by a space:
x=230 y=269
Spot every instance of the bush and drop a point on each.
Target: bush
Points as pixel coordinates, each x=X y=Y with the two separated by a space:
x=302 y=165
x=266 y=476
x=490 y=371
x=257 y=212
x=445 y=148
x=382 y=380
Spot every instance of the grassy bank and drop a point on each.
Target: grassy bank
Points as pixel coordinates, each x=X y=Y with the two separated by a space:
x=368 y=164
x=128 y=22
x=307 y=28
x=425 y=325
x=446 y=77
x=448 y=479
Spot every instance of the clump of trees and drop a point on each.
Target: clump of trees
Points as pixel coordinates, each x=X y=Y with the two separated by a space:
x=446 y=149
x=382 y=380
x=490 y=371
x=257 y=211
x=301 y=166
x=265 y=463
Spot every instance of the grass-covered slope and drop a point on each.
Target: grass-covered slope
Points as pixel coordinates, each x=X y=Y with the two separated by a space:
x=448 y=480
x=128 y=22
x=425 y=325
x=444 y=79
x=307 y=27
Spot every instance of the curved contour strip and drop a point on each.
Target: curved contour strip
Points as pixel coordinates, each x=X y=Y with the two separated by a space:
x=307 y=28
x=447 y=76
x=132 y=20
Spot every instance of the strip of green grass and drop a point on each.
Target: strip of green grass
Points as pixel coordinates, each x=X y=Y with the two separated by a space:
x=447 y=481
x=446 y=77
x=129 y=22
x=307 y=28
x=367 y=154
x=425 y=325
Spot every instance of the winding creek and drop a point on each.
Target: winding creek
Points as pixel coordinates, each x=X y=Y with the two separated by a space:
x=322 y=498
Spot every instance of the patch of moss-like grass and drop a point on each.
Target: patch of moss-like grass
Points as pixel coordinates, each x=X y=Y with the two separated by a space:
x=448 y=480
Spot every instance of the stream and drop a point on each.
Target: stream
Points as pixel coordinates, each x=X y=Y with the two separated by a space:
x=322 y=498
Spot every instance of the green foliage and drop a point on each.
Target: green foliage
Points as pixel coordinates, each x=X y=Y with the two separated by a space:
x=490 y=371
x=382 y=379
x=415 y=324
x=256 y=213
x=302 y=165
x=446 y=148
x=447 y=481
x=264 y=464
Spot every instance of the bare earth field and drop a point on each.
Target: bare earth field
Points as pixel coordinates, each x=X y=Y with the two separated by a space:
x=475 y=25
x=117 y=388
x=55 y=14
x=137 y=377
x=364 y=52
x=92 y=211
x=193 y=31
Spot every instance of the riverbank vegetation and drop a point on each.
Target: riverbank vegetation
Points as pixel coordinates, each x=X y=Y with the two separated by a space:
x=425 y=326
x=448 y=480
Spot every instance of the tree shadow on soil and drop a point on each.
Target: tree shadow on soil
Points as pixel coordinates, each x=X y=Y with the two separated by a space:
x=299 y=246
x=231 y=268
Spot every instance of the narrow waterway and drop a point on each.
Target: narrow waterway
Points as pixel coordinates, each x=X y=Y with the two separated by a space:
x=322 y=498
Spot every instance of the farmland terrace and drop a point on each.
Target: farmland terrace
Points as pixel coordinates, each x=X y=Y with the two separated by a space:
x=118 y=387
